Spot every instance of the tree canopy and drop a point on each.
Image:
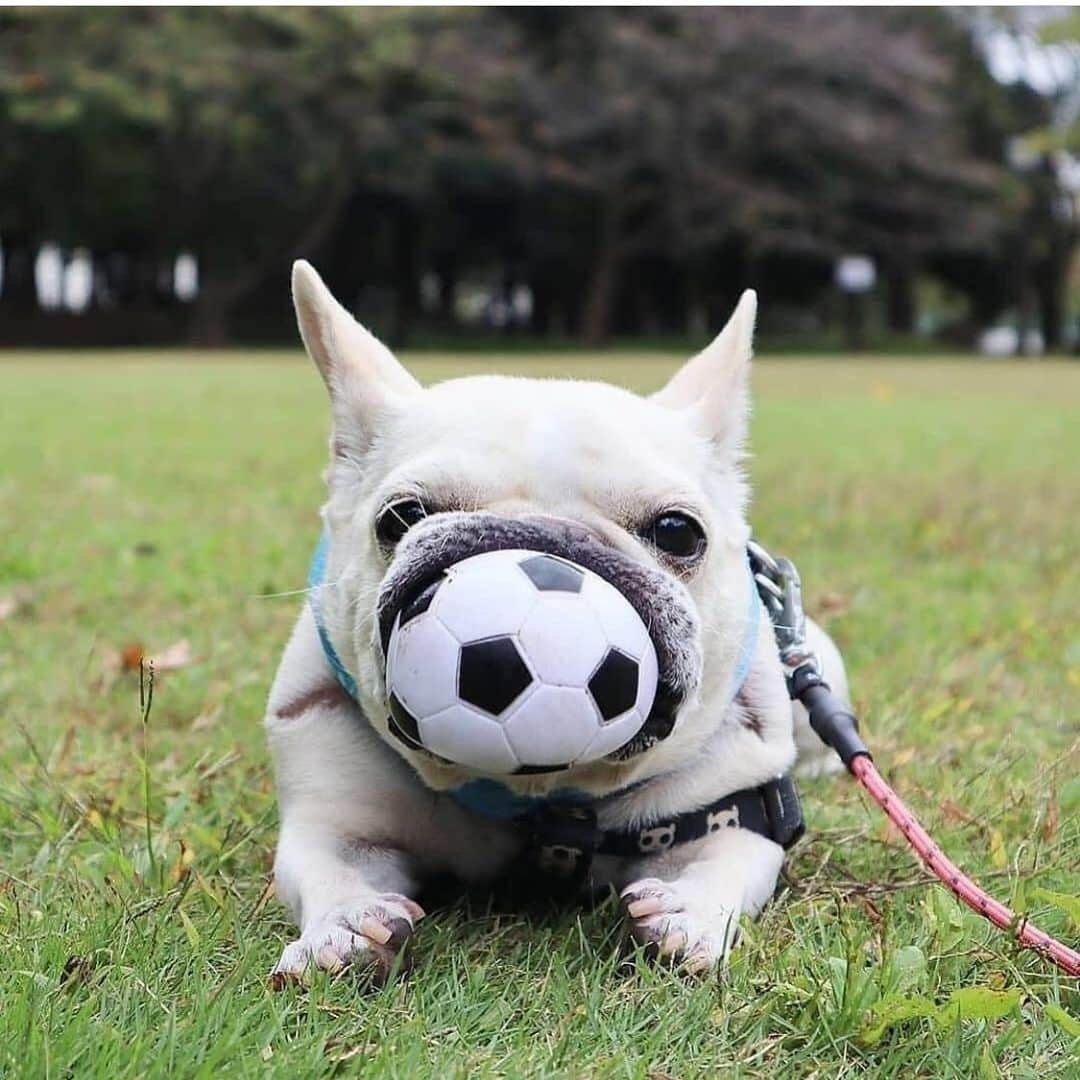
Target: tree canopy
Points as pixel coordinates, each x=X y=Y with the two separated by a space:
x=633 y=167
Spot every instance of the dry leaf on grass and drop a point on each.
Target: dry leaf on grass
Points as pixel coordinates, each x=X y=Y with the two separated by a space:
x=19 y=599
x=176 y=656
x=830 y=605
x=134 y=655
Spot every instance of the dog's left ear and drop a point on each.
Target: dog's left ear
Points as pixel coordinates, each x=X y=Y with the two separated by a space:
x=713 y=387
x=363 y=376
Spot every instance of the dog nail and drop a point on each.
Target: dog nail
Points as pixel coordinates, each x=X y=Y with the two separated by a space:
x=328 y=959
x=372 y=928
x=673 y=942
x=647 y=905
x=698 y=964
x=415 y=911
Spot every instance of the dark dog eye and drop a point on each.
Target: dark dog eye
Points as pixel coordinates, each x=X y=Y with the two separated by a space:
x=397 y=518
x=676 y=534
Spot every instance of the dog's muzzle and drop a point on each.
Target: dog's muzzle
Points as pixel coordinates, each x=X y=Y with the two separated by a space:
x=661 y=602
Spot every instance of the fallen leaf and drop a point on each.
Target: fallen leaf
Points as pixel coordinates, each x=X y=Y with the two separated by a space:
x=1053 y=820
x=953 y=812
x=833 y=603
x=134 y=655
x=19 y=599
x=176 y=656
x=131 y=657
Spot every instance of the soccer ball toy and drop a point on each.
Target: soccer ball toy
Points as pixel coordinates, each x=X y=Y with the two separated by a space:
x=519 y=662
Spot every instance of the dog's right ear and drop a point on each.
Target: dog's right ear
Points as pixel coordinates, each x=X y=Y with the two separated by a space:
x=363 y=376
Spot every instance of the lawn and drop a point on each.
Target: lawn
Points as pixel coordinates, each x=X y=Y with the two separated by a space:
x=933 y=509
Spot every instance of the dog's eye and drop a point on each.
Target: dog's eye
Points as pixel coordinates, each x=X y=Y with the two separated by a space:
x=397 y=518
x=676 y=534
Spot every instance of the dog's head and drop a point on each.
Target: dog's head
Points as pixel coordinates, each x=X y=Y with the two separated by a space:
x=647 y=492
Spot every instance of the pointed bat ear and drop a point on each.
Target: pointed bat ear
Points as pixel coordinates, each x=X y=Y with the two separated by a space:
x=364 y=378
x=714 y=385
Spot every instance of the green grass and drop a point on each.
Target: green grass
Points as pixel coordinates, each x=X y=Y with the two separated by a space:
x=932 y=508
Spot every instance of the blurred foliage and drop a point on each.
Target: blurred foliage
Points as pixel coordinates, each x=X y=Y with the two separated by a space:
x=635 y=167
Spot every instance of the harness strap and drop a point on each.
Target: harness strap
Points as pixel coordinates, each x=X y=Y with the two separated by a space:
x=563 y=837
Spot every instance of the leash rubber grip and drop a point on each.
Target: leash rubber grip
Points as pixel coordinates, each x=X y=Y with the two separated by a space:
x=833 y=722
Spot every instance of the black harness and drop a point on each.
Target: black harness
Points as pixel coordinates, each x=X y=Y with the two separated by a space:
x=563 y=837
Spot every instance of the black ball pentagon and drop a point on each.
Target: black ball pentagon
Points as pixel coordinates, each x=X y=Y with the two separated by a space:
x=549 y=574
x=403 y=724
x=420 y=603
x=491 y=674
x=614 y=684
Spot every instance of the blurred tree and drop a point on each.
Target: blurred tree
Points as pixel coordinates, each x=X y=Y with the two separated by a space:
x=677 y=133
x=239 y=134
x=635 y=166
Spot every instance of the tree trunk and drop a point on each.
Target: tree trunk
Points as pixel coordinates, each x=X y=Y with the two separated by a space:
x=406 y=273
x=1050 y=279
x=603 y=278
x=447 y=272
x=900 y=294
x=19 y=294
x=540 y=321
x=209 y=326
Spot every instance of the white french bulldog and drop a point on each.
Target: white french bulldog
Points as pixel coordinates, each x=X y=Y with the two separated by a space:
x=652 y=485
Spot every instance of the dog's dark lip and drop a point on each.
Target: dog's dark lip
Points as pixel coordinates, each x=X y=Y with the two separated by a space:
x=552 y=536
x=541 y=537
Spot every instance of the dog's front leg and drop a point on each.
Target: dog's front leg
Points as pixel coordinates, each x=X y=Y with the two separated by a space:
x=350 y=901
x=359 y=831
x=350 y=811
x=687 y=908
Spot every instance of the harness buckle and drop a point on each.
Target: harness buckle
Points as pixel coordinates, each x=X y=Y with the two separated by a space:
x=780 y=590
x=783 y=811
x=563 y=839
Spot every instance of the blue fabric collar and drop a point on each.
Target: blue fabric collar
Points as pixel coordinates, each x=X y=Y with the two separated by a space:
x=316 y=580
x=485 y=795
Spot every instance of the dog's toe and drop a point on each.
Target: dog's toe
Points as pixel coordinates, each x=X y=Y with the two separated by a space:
x=371 y=936
x=670 y=930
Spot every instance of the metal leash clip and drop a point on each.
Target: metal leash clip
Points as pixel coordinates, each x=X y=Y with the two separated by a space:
x=780 y=590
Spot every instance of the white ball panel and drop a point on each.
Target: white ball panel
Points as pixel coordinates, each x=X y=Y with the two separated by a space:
x=552 y=726
x=609 y=738
x=469 y=738
x=491 y=561
x=475 y=605
x=647 y=679
x=621 y=623
x=425 y=666
x=562 y=640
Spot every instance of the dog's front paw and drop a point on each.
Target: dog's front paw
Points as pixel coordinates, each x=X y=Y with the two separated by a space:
x=676 y=926
x=365 y=935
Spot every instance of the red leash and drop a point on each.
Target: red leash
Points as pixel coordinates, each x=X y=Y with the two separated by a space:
x=835 y=724
x=961 y=886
